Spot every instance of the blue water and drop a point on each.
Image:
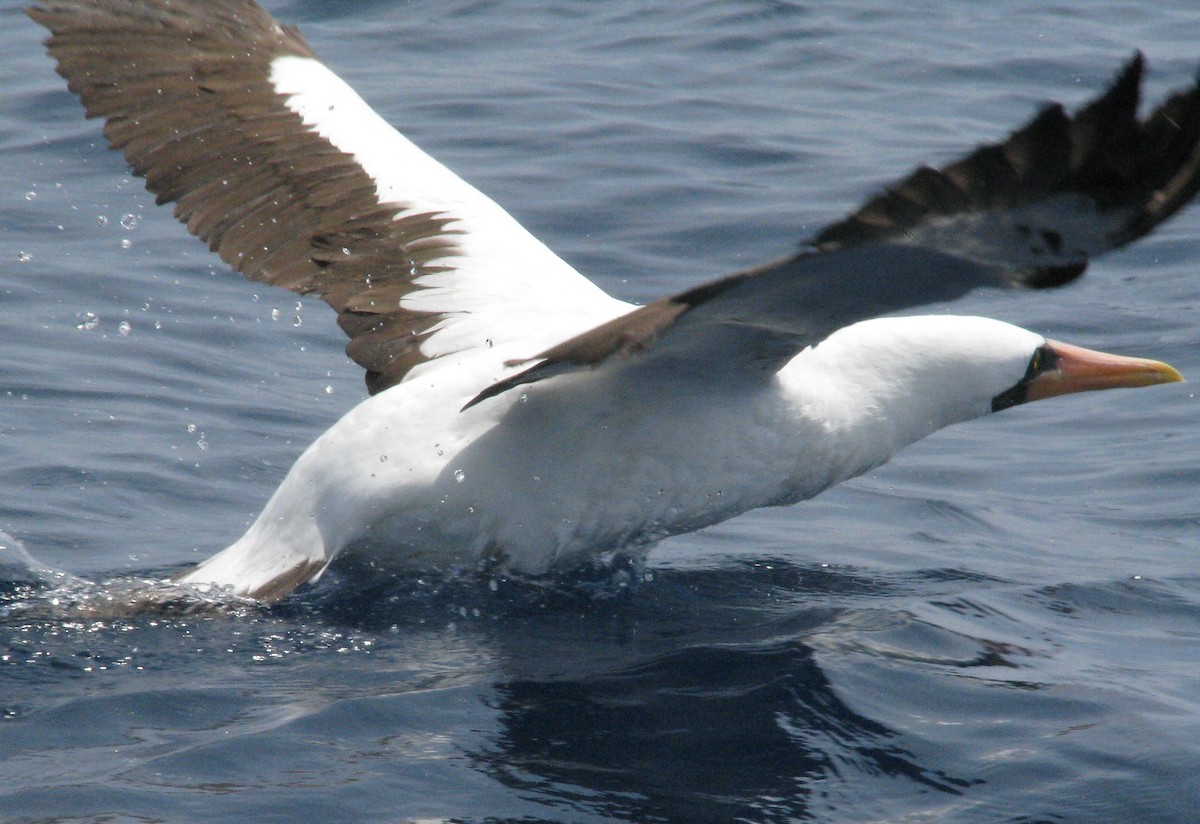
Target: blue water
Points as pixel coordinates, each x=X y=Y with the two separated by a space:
x=1003 y=625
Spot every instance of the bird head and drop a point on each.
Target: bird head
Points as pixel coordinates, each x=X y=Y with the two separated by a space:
x=922 y=373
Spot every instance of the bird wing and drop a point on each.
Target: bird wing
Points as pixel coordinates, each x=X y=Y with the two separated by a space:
x=294 y=181
x=1030 y=211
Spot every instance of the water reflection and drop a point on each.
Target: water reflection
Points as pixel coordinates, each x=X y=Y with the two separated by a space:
x=704 y=733
x=700 y=695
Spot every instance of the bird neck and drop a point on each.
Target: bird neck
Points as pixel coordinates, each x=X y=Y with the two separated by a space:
x=873 y=388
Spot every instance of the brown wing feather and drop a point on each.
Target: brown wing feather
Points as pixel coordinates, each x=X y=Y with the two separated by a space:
x=185 y=93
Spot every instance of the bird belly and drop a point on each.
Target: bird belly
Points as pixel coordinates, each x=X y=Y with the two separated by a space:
x=542 y=478
x=568 y=471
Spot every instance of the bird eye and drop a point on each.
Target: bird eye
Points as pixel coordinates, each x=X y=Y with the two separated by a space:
x=1044 y=359
x=1036 y=364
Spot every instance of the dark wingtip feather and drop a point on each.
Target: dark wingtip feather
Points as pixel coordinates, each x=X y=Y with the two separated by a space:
x=186 y=92
x=1149 y=168
x=1050 y=277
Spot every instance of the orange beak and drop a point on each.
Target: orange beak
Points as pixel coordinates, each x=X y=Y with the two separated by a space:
x=1084 y=370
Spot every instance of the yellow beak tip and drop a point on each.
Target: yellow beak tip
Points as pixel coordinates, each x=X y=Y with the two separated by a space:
x=1169 y=374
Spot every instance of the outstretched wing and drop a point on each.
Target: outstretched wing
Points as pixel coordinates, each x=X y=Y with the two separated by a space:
x=1030 y=211
x=296 y=182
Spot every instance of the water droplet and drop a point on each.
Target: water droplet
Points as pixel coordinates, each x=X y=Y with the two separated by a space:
x=488 y=343
x=126 y=243
x=493 y=585
x=124 y=328
x=129 y=222
x=158 y=324
x=345 y=251
x=523 y=397
x=296 y=321
x=24 y=257
x=383 y=458
x=88 y=321
x=101 y=220
x=328 y=390
x=191 y=427
x=31 y=195
x=274 y=314
x=459 y=476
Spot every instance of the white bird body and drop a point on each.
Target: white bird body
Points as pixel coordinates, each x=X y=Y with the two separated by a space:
x=603 y=461
x=520 y=416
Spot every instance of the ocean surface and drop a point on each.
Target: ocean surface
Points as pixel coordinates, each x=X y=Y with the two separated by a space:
x=1002 y=625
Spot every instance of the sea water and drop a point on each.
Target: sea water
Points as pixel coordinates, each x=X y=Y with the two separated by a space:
x=1003 y=625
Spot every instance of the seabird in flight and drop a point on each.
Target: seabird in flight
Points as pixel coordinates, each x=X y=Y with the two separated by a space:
x=518 y=415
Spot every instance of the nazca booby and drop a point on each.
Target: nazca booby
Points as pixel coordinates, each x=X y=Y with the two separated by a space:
x=520 y=416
